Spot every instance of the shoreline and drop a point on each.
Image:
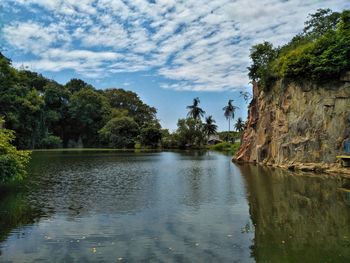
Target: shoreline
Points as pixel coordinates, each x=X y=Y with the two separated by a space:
x=328 y=168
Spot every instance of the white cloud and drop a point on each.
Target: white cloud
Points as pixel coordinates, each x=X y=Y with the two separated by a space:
x=196 y=45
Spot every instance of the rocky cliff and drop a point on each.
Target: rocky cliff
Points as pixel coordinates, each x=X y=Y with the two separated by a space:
x=295 y=124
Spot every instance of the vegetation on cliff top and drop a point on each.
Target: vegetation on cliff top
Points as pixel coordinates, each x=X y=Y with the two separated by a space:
x=321 y=53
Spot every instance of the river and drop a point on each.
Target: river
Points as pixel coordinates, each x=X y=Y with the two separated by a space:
x=172 y=207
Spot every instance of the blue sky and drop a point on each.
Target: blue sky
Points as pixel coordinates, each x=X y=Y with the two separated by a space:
x=165 y=50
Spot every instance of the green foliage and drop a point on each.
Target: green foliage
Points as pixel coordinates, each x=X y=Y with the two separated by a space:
x=76 y=85
x=229 y=136
x=44 y=113
x=51 y=142
x=189 y=133
x=321 y=22
x=239 y=125
x=169 y=140
x=12 y=161
x=195 y=111
x=229 y=112
x=130 y=103
x=232 y=148
x=262 y=56
x=120 y=132
x=89 y=110
x=209 y=127
x=150 y=136
x=321 y=54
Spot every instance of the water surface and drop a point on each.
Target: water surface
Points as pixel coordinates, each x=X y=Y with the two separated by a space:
x=172 y=207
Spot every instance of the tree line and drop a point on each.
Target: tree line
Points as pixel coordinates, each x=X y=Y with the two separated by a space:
x=196 y=129
x=46 y=114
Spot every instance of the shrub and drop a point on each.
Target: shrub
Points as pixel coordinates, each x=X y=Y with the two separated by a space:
x=51 y=142
x=12 y=161
x=225 y=147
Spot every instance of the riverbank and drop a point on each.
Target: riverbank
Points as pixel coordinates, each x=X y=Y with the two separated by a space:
x=328 y=168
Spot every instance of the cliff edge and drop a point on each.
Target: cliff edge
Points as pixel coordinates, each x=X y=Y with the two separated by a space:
x=297 y=126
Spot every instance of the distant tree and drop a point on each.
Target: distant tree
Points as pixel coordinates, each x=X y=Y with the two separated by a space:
x=229 y=112
x=130 y=102
x=168 y=139
x=209 y=127
x=56 y=98
x=189 y=133
x=195 y=111
x=150 y=136
x=120 y=132
x=239 y=125
x=75 y=85
x=88 y=111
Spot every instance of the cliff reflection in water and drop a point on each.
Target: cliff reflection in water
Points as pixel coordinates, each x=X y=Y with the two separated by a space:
x=298 y=218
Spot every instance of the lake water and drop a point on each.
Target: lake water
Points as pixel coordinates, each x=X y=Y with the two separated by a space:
x=172 y=207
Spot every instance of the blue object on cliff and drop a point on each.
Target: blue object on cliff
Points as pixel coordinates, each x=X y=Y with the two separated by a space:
x=347 y=146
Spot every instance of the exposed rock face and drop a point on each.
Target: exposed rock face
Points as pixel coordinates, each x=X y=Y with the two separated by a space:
x=296 y=124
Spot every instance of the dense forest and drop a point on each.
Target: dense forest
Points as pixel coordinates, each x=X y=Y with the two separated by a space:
x=320 y=54
x=46 y=114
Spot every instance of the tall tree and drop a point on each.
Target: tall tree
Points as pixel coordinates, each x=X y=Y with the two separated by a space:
x=239 y=126
x=321 y=22
x=189 y=133
x=195 y=111
x=130 y=102
x=89 y=111
x=209 y=127
x=229 y=112
x=120 y=132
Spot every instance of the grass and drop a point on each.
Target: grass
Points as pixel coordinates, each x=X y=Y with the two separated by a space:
x=232 y=148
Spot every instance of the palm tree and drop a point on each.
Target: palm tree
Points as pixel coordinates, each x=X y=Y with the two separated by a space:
x=194 y=110
x=240 y=127
x=209 y=126
x=229 y=112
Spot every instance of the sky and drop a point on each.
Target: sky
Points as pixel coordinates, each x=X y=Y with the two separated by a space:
x=166 y=51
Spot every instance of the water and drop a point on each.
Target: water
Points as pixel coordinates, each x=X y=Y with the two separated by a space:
x=172 y=207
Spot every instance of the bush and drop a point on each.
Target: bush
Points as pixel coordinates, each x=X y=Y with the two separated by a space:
x=13 y=162
x=120 y=132
x=150 y=136
x=225 y=147
x=51 y=142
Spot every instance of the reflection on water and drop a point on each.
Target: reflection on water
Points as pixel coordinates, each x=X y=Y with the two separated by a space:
x=172 y=207
x=298 y=218
x=167 y=207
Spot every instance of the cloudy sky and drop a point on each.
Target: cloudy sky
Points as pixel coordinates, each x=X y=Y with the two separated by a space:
x=165 y=50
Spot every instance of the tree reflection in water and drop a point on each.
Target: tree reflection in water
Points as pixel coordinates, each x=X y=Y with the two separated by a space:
x=298 y=217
